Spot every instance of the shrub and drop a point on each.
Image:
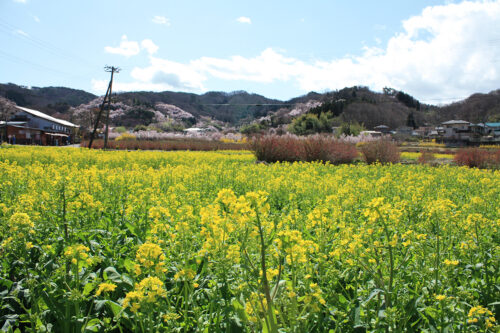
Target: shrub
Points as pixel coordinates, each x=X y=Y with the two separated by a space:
x=321 y=148
x=275 y=148
x=120 y=130
x=192 y=144
x=342 y=152
x=347 y=129
x=383 y=151
x=495 y=158
x=426 y=157
x=477 y=158
x=309 y=124
x=290 y=148
x=252 y=128
x=315 y=148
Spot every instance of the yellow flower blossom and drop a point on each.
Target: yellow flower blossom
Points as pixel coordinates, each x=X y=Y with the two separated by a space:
x=105 y=287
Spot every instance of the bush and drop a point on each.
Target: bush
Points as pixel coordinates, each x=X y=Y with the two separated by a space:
x=290 y=148
x=426 y=157
x=496 y=158
x=252 y=128
x=275 y=148
x=383 y=151
x=347 y=129
x=310 y=124
x=321 y=148
x=140 y=128
x=477 y=158
x=192 y=144
x=342 y=153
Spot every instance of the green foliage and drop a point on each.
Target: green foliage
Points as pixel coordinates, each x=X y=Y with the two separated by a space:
x=310 y=124
x=252 y=128
x=410 y=122
x=408 y=100
x=140 y=128
x=139 y=114
x=168 y=126
x=350 y=128
x=120 y=129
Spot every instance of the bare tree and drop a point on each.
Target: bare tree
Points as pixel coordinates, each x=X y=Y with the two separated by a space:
x=7 y=110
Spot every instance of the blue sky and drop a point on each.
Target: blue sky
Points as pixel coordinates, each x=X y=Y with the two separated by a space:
x=438 y=51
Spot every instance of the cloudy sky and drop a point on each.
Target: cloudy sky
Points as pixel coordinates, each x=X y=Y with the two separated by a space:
x=437 y=51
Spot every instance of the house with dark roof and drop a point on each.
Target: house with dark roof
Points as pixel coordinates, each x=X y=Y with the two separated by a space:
x=28 y=126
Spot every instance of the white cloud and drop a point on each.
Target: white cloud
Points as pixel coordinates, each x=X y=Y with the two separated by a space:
x=161 y=20
x=171 y=73
x=127 y=48
x=244 y=19
x=149 y=46
x=36 y=18
x=20 y=1
x=447 y=52
x=21 y=33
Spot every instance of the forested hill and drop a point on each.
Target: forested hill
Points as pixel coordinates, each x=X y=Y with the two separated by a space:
x=233 y=107
x=394 y=108
x=49 y=99
x=359 y=104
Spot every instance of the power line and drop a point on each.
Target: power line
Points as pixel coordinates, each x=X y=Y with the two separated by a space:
x=14 y=31
x=37 y=66
x=229 y=104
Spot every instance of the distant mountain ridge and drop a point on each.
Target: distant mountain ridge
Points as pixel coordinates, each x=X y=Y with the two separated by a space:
x=48 y=99
x=359 y=104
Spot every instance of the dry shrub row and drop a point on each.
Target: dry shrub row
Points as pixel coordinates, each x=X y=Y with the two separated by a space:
x=290 y=148
x=381 y=151
x=478 y=158
x=186 y=144
x=426 y=157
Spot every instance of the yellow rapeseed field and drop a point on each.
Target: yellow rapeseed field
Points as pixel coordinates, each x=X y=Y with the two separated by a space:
x=215 y=242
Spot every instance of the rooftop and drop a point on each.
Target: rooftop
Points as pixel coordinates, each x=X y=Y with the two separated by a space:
x=452 y=122
x=46 y=117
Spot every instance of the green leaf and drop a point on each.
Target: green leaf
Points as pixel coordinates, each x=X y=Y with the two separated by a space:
x=129 y=265
x=110 y=273
x=131 y=228
x=93 y=325
x=240 y=310
x=5 y=282
x=374 y=293
x=88 y=288
x=115 y=307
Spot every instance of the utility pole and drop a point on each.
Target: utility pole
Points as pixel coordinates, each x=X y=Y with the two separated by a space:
x=107 y=98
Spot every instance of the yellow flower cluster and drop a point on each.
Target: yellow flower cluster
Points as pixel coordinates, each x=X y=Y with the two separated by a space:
x=78 y=253
x=148 y=291
x=478 y=312
x=150 y=258
x=105 y=287
x=185 y=275
x=19 y=229
x=451 y=262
